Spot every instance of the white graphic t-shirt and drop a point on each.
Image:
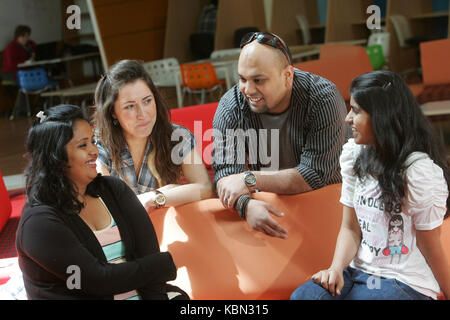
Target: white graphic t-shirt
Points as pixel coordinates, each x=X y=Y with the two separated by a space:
x=388 y=247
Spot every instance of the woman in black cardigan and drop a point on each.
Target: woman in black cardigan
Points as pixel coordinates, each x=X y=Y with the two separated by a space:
x=68 y=205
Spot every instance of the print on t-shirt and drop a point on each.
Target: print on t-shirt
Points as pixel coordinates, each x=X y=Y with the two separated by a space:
x=385 y=232
x=395 y=244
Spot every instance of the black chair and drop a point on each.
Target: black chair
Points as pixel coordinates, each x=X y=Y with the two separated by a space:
x=9 y=85
x=239 y=33
x=46 y=51
x=202 y=45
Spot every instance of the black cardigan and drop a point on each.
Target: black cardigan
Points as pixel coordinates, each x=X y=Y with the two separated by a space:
x=48 y=242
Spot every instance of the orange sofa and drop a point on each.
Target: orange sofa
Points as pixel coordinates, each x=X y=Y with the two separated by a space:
x=220 y=257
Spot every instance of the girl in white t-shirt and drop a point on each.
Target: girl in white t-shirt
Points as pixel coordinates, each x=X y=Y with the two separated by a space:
x=395 y=194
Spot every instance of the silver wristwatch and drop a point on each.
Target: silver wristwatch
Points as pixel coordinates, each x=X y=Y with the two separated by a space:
x=160 y=198
x=249 y=179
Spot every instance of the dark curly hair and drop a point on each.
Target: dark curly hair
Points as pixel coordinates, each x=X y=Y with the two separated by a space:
x=46 y=182
x=399 y=127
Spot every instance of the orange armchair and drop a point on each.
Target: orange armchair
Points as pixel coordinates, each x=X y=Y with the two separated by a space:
x=435 y=61
x=200 y=78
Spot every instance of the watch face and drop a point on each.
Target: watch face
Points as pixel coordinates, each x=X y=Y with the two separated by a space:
x=160 y=199
x=250 y=179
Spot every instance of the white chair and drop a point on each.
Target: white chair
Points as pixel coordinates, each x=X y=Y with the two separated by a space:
x=406 y=39
x=402 y=29
x=166 y=73
x=228 y=55
x=304 y=27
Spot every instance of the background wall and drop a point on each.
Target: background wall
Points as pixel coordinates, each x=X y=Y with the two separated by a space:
x=182 y=21
x=268 y=11
x=234 y=14
x=132 y=29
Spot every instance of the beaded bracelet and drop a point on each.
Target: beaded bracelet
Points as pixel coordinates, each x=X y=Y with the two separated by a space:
x=242 y=204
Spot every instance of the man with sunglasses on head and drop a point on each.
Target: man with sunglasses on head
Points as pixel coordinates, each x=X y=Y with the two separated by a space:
x=297 y=116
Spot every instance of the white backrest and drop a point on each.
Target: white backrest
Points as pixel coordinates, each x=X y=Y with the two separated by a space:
x=234 y=72
x=225 y=54
x=162 y=71
x=229 y=54
x=304 y=27
x=402 y=29
x=381 y=38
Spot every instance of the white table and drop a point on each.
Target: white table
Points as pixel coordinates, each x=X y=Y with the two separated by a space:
x=57 y=60
x=65 y=94
x=91 y=55
x=437 y=108
x=84 y=89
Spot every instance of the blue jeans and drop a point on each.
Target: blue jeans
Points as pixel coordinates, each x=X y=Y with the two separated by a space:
x=359 y=285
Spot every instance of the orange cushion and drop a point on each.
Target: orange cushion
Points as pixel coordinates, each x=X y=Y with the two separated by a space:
x=435 y=61
x=341 y=69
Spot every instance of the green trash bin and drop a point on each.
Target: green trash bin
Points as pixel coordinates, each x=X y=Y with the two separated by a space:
x=376 y=56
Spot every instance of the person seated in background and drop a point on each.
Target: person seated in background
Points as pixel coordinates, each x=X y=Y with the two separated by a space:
x=18 y=51
x=291 y=124
x=208 y=18
x=395 y=192
x=202 y=41
x=83 y=235
x=139 y=144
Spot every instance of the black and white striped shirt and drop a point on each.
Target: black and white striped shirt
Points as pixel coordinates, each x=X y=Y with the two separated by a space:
x=316 y=127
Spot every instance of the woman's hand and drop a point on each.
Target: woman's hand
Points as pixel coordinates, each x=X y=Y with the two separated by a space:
x=331 y=280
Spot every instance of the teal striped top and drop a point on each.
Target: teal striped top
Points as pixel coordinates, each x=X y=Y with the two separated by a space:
x=114 y=250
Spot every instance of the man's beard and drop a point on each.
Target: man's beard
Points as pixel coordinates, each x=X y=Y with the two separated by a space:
x=264 y=109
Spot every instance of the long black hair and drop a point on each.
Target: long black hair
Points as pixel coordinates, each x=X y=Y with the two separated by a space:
x=399 y=127
x=46 y=182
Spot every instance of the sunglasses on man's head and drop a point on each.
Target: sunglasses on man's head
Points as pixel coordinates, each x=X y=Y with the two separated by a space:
x=267 y=39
